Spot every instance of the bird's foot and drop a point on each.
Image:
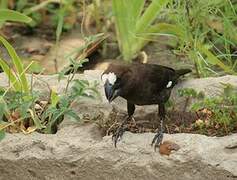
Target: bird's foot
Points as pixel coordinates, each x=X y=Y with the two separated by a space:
x=133 y=121
x=117 y=136
x=157 y=140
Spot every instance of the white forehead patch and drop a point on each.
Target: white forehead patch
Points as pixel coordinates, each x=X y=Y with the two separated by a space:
x=169 y=84
x=104 y=78
x=111 y=77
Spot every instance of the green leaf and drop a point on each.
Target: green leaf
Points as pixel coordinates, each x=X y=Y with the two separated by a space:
x=212 y=59
x=73 y=115
x=36 y=119
x=17 y=63
x=165 y=28
x=132 y=27
x=54 y=98
x=2 y=134
x=60 y=24
x=3 y=108
x=150 y=14
x=56 y=116
x=10 y=15
x=13 y=79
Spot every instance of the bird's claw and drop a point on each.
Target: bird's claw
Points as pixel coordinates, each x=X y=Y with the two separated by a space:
x=157 y=140
x=117 y=136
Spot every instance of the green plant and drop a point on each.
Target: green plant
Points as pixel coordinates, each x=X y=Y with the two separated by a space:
x=18 y=78
x=21 y=108
x=204 y=31
x=10 y=15
x=60 y=106
x=60 y=13
x=189 y=94
x=219 y=112
x=134 y=23
x=27 y=112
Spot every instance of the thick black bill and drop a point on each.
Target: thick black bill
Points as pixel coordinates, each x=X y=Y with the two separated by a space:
x=110 y=92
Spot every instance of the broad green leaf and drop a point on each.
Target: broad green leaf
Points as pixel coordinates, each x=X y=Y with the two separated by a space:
x=132 y=27
x=17 y=63
x=36 y=119
x=150 y=14
x=54 y=98
x=54 y=120
x=10 y=15
x=165 y=28
x=136 y=9
x=13 y=79
x=73 y=115
x=124 y=30
x=160 y=28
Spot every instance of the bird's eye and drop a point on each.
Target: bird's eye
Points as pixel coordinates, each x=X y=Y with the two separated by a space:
x=117 y=83
x=118 y=80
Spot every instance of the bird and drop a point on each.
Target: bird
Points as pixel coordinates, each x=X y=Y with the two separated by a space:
x=140 y=84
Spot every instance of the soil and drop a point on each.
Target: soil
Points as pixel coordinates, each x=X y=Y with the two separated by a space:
x=175 y=122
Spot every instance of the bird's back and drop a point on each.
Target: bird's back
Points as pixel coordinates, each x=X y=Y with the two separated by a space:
x=148 y=84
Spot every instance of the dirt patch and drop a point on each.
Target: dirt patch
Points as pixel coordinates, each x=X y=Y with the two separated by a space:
x=176 y=122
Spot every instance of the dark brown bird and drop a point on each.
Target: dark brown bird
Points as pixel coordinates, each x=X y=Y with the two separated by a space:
x=140 y=84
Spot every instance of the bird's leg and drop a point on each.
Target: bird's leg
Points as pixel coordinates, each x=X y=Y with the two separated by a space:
x=157 y=140
x=121 y=129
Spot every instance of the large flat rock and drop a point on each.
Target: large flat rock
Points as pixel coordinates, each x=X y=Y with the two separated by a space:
x=79 y=152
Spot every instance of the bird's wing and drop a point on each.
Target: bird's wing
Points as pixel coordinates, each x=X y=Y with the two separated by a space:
x=161 y=77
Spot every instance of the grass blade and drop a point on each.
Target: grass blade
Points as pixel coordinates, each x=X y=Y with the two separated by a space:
x=11 y=76
x=212 y=59
x=150 y=14
x=10 y=15
x=17 y=63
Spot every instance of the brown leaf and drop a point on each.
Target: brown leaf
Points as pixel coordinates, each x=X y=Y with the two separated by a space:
x=199 y=122
x=29 y=130
x=15 y=115
x=167 y=146
x=216 y=24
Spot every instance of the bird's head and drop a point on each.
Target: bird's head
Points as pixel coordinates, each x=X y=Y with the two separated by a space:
x=114 y=79
x=112 y=85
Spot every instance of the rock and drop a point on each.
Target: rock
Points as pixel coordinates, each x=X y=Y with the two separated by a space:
x=79 y=152
x=211 y=87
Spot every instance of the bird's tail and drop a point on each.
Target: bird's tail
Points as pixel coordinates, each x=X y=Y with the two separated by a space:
x=182 y=72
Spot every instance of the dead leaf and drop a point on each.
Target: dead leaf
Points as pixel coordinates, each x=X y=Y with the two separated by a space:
x=199 y=122
x=167 y=147
x=216 y=24
x=15 y=115
x=29 y=130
